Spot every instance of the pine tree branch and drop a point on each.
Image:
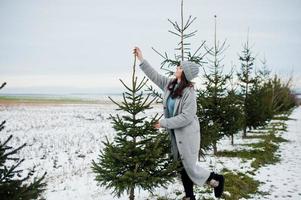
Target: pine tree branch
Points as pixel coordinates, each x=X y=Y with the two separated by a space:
x=188 y=23
x=142 y=83
x=174 y=33
x=120 y=106
x=6 y=155
x=198 y=48
x=2 y=125
x=9 y=173
x=175 y=25
x=125 y=85
x=2 y=85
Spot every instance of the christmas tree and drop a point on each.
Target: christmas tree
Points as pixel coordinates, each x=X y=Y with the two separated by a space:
x=212 y=101
x=14 y=183
x=181 y=30
x=137 y=158
x=260 y=99
x=246 y=79
x=233 y=113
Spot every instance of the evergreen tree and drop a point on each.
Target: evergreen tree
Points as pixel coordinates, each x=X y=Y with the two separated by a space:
x=209 y=129
x=264 y=96
x=259 y=101
x=14 y=183
x=267 y=97
x=264 y=72
x=212 y=99
x=246 y=81
x=183 y=50
x=233 y=112
x=283 y=98
x=265 y=78
x=137 y=158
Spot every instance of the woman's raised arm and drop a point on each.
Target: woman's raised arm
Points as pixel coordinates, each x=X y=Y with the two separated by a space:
x=160 y=80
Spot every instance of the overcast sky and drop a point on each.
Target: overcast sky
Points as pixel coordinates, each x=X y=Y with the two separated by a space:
x=70 y=46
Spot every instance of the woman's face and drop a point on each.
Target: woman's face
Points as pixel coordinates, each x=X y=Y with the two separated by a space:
x=179 y=72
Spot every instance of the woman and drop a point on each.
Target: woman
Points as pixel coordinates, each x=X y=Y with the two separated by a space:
x=181 y=122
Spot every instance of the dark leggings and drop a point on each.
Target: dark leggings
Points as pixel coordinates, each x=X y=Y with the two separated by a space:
x=187 y=183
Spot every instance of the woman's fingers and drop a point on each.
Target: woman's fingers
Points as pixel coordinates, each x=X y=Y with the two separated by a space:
x=157 y=125
x=137 y=52
x=137 y=49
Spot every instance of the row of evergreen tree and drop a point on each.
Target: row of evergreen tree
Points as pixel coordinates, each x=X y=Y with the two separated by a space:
x=225 y=108
x=138 y=155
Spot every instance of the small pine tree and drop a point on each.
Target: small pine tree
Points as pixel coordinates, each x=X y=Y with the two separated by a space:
x=209 y=129
x=259 y=101
x=232 y=114
x=183 y=51
x=13 y=184
x=212 y=99
x=246 y=81
x=138 y=156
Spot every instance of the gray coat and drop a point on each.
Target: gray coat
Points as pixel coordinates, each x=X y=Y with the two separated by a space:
x=186 y=137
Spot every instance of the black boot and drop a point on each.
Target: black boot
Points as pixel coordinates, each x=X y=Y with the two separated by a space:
x=189 y=198
x=218 y=191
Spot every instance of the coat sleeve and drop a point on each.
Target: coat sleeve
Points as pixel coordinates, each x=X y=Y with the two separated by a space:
x=160 y=80
x=186 y=116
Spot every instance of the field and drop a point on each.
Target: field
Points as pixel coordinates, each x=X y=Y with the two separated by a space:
x=63 y=137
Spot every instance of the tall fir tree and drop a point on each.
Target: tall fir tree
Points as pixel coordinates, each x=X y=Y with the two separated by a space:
x=183 y=48
x=245 y=76
x=259 y=98
x=212 y=98
x=15 y=184
x=181 y=30
x=264 y=72
x=233 y=112
x=137 y=158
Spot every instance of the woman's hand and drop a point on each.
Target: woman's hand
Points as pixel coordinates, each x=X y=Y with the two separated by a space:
x=137 y=52
x=157 y=125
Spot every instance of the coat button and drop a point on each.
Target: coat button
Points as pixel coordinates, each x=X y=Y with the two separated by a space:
x=180 y=142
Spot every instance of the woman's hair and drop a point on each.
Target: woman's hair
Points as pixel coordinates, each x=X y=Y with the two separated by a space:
x=182 y=85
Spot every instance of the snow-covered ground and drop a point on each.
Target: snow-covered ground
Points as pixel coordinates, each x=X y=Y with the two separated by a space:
x=63 y=140
x=283 y=180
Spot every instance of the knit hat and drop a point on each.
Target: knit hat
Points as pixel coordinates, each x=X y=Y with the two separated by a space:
x=190 y=69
